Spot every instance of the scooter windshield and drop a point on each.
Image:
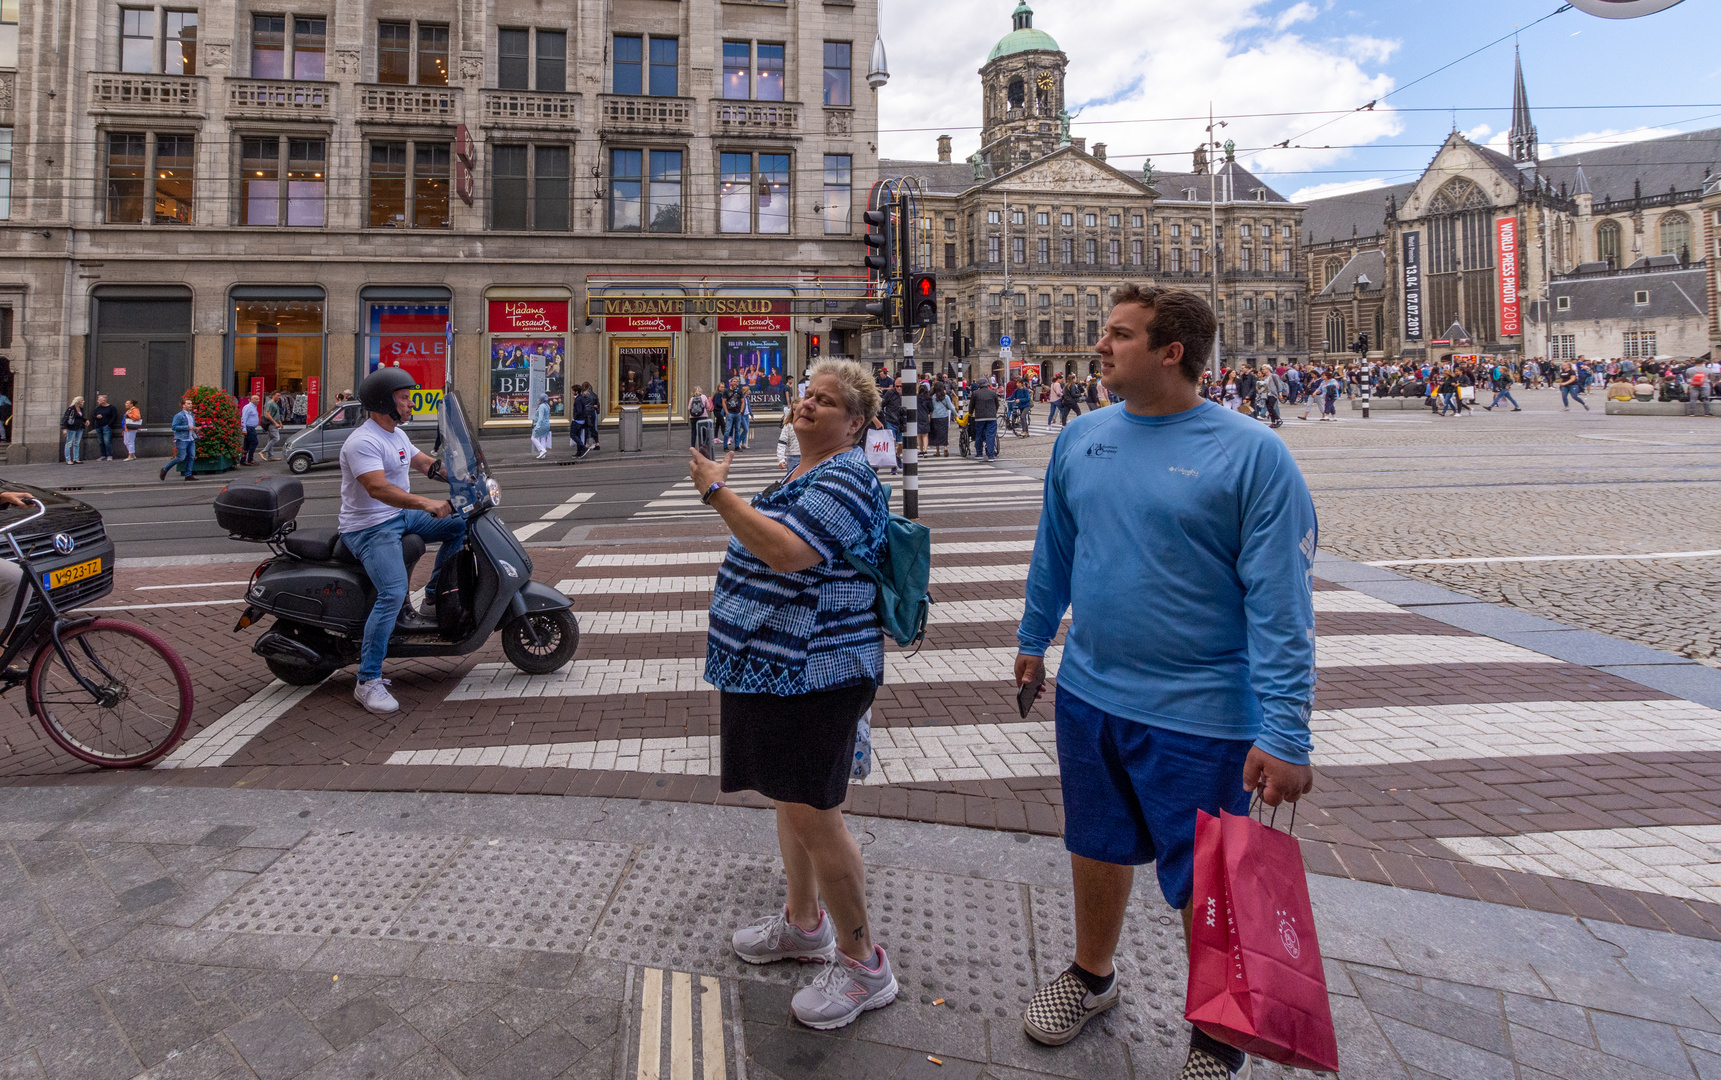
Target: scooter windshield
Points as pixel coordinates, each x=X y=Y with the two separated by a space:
x=462 y=459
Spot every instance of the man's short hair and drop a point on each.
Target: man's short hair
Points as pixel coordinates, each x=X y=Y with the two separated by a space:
x=1178 y=315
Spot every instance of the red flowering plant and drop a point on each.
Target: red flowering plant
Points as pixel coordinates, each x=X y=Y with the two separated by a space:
x=217 y=423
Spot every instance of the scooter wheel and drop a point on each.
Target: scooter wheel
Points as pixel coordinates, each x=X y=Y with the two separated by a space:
x=558 y=636
x=297 y=674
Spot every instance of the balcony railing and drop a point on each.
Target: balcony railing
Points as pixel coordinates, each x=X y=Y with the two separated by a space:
x=409 y=104
x=169 y=95
x=531 y=108
x=623 y=113
x=756 y=117
x=281 y=98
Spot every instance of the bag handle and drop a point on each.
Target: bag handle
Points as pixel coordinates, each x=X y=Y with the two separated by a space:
x=1258 y=810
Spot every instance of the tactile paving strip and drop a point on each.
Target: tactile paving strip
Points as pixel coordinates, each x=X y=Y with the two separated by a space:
x=355 y=883
x=956 y=938
x=1150 y=957
x=678 y=907
x=527 y=894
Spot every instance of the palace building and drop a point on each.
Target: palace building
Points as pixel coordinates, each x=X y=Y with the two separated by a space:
x=203 y=193
x=1030 y=234
x=1474 y=251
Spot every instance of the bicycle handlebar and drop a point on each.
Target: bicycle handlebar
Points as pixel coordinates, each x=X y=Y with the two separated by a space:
x=40 y=510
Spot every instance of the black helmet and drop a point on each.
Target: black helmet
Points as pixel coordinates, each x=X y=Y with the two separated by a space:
x=377 y=392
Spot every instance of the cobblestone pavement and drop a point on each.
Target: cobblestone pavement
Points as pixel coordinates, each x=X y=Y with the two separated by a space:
x=1402 y=486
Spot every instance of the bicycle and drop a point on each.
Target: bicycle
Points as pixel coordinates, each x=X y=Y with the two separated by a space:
x=1016 y=421
x=107 y=692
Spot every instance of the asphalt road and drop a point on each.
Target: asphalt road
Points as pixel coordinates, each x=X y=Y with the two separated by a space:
x=176 y=518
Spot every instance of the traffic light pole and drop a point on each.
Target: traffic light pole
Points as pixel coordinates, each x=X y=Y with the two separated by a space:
x=910 y=429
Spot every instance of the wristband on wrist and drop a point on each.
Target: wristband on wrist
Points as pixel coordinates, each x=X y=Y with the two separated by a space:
x=716 y=486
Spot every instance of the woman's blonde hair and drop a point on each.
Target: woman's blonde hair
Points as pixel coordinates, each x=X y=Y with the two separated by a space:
x=78 y=400
x=860 y=392
x=698 y=391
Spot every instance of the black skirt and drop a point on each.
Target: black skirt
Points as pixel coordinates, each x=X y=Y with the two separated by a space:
x=796 y=749
x=938 y=431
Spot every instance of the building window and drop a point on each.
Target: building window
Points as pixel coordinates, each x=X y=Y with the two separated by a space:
x=1044 y=246
x=1675 y=229
x=645 y=190
x=1068 y=246
x=1019 y=331
x=401 y=197
x=1067 y=220
x=1045 y=332
x=278 y=342
x=839 y=198
x=148 y=171
x=1135 y=221
x=1284 y=260
x=1249 y=335
x=628 y=72
x=1246 y=260
x=1640 y=297
x=1267 y=327
x=949 y=256
x=396 y=46
x=1041 y=217
x=1290 y=334
x=1135 y=249
x=1562 y=303
x=992 y=246
x=1563 y=347
x=5 y=174
x=1090 y=220
x=1018 y=249
x=994 y=217
x=1114 y=220
x=839 y=73
x=1093 y=331
x=1176 y=266
x=529 y=188
x=1114 y=252
x=137 y=39
x=1243 y=230
x=1069 y=337
x=753 y=193
x=995 y=330
x=1640 y=343
x=1018 y=217
x=1607 y=242
x=282 y=181
x=1044 y=301
x=752 y=73
x=1092 y=248
x=514 y=67
x=8 y=33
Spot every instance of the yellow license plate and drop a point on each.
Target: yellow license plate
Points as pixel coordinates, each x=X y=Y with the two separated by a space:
x=66 y=575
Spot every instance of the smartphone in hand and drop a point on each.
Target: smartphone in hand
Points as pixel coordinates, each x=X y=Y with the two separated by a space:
x=1026 y=695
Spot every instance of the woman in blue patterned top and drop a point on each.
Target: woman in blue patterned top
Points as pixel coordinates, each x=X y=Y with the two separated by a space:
x=797 y=652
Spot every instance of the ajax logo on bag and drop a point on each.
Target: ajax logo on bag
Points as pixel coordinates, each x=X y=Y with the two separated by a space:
x=1288 y=936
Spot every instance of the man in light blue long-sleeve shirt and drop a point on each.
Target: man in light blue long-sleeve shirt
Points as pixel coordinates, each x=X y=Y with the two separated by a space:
x=1180 y=536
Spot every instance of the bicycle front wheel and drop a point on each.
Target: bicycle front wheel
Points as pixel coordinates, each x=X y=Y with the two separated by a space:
x=135 y=705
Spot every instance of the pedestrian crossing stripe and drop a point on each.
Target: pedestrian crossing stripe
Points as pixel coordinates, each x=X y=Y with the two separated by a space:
x=552 y=516
x=686 y=1048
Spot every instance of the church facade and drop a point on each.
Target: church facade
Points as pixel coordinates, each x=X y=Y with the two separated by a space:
x=1470 y=255
x=1030 y=235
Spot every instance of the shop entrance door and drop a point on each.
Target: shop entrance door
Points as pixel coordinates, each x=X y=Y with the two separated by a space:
x=142 y=351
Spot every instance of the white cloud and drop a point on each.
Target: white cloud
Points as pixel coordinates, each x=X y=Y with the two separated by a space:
x=1302 y=11
x=1337 y=187
x=1596 y=140
x=1478 y=133
x=1176 y=59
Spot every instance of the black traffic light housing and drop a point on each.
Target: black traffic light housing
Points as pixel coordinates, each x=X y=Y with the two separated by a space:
x=813 y=343
x=922 y=300
x=881 y=255
x=1361 y=345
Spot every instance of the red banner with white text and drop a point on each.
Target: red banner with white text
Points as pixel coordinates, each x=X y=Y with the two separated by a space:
x=1506 y=248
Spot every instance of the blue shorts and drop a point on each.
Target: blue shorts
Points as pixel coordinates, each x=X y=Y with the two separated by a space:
x=1131 y=790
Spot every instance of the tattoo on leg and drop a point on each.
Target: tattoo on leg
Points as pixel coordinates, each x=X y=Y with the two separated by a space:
x=860 y=931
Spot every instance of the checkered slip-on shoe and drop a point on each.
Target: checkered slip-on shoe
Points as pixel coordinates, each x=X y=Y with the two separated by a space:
x=1200 y=1065
x=1062 y=1007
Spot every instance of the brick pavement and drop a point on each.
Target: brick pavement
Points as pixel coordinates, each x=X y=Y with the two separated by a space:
x=1469 y=775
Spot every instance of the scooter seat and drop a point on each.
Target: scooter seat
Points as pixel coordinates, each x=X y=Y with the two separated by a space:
x=326 y=545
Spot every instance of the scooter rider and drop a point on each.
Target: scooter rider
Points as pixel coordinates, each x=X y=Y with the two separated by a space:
x=377 y=509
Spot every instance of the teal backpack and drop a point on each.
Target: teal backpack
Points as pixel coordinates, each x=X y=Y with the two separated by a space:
x=902 y=579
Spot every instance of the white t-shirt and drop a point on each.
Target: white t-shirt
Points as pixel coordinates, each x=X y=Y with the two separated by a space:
x=368 y=450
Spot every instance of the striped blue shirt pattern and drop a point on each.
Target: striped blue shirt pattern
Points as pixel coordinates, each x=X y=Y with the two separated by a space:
x=815 y=629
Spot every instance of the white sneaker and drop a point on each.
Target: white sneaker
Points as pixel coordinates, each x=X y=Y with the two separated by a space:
x=374 y=696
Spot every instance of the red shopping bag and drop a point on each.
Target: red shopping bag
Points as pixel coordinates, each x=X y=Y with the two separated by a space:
x=1255 y=977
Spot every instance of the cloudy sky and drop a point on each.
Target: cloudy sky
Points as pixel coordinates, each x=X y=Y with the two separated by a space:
x=1141 y=70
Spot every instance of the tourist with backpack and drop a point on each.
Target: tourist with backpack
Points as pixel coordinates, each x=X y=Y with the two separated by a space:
x=577 y=423
x=698 y=409
x=796 y=651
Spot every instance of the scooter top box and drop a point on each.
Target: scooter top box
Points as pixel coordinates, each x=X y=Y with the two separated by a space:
x=260 y=509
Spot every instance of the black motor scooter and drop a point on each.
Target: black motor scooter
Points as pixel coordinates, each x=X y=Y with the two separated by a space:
x=319 y=594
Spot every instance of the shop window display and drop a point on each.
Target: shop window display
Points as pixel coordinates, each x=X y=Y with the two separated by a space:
x=527 y=356
x=642 y=374
x=278 y=347
x=413 y=337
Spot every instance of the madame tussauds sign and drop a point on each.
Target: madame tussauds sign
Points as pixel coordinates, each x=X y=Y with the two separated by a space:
x=690 y=306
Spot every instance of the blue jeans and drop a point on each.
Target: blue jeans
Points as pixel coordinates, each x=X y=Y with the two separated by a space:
x=1569 y=394
x=986 y=438
x=184 y=454
x=107 y=436
x=378 y=547
x=731 y=430
x=1448 y=401
x=74 y=446
x=1504 y=395
x=746 y=426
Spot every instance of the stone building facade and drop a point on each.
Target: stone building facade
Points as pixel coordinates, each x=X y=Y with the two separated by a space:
x=1656 y=308
x=1031 y=234
x=1481 y=236
x=211 y=193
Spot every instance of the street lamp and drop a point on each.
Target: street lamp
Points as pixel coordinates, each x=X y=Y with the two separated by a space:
x=1213 y=226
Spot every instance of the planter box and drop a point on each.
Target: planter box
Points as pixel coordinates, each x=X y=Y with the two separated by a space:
x=219 y=463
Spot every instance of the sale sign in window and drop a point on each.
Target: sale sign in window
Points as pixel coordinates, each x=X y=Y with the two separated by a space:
x=414 y=338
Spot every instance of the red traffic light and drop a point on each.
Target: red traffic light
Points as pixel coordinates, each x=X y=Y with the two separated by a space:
x=924 y=285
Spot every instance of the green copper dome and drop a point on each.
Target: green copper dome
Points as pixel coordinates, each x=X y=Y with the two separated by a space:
x=1024 y=38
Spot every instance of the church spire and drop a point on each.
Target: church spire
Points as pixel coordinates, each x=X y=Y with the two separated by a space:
x=1522 y=139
